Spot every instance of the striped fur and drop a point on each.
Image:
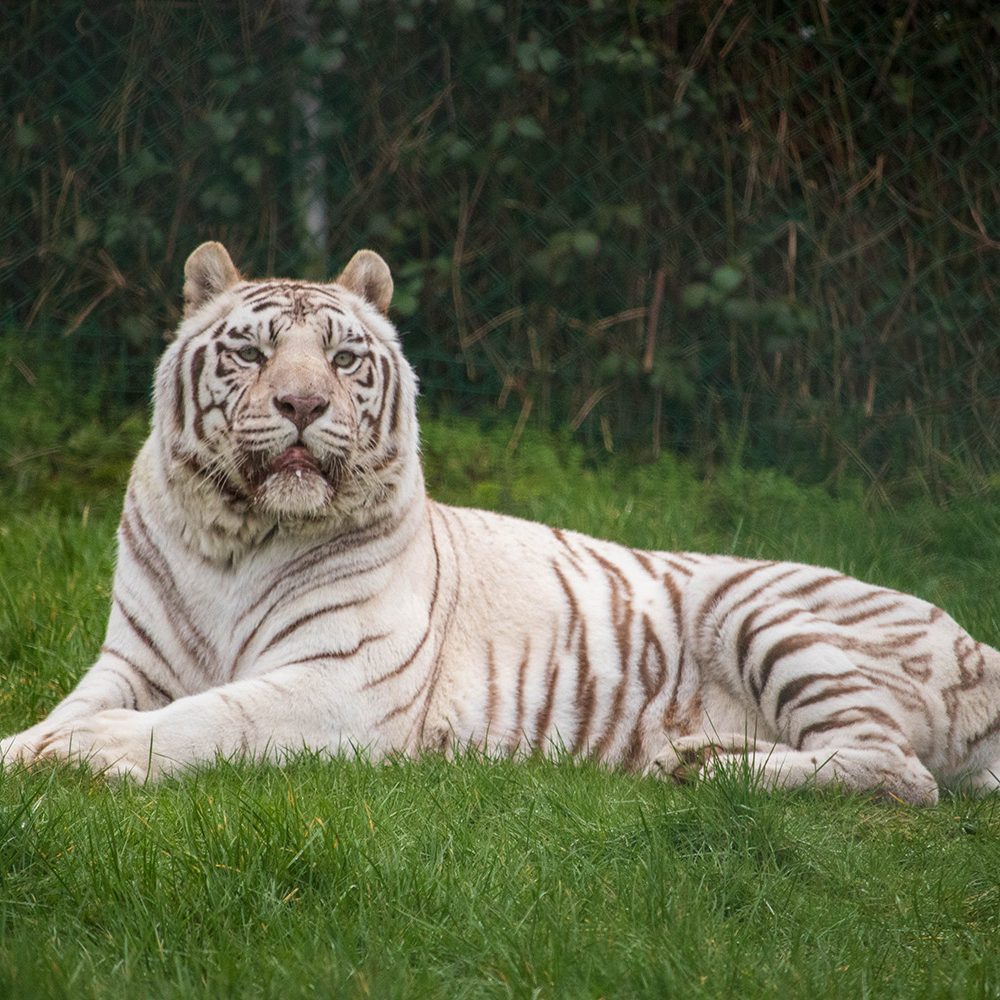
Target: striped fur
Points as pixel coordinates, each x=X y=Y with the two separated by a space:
x=284 y=582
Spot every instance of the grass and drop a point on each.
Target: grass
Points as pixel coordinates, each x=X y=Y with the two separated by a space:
x=486 y=879
x=481 y=878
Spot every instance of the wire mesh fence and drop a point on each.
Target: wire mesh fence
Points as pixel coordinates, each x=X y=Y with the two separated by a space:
x=728 y=228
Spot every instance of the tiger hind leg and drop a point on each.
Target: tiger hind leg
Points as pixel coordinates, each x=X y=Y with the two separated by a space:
x=890 y=772
x=829 y=721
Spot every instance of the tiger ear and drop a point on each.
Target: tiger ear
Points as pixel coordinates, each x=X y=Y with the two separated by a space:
x=368 y=275
x=207 y=272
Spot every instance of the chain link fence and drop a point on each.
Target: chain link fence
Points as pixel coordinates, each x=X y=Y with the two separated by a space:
x=766 y=231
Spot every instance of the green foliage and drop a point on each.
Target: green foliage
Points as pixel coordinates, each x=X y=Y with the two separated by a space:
x=761 y=233
x=59 y=439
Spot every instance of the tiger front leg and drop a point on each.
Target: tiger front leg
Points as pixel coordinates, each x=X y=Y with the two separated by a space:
x=113 y=682
x=294 y=708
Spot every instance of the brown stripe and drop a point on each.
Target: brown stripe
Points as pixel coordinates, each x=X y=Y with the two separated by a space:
x=408 y=662
x=396 y=405
x=644 y=561
x=197 y=365
x=836 y=721
x=782 y=648
x=990 y=729
x=544 y=716
x=154 y=563
x=795 y=687
x=676 y=602
x=652 y=681
x=727 y=585
x=585 y=691
x=611 y=570
x=757 y=591
x=673 y=705
x=297 y=624
x=860 y=616
x=634 y=747
x=834 y=692
x=321 y=554
x=522 y=671
x=833 y=722
x=818 y=584
x=746 y=635
x=918 y=666
x=434 y=674
x=493 y=693
x=140 y=673
x=574 y=613
x=600 y=748
x=146 y=638
x=677 y=567
x=336 y=654
x=179 y=391
x=571 y=554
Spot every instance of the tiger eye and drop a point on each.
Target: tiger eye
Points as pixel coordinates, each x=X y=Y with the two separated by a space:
x=344 y=359
x=253 y=355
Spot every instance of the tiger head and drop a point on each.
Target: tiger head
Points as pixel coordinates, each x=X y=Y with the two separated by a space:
x=286 y=402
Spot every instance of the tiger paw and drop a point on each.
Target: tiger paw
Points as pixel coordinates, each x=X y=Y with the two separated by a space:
x=21 y=748
x=114 y=743
x=686 y=760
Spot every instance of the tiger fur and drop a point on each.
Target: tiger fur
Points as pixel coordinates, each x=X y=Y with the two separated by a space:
x=283 y=582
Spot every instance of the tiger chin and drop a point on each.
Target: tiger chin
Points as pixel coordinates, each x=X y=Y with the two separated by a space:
x=284 y=582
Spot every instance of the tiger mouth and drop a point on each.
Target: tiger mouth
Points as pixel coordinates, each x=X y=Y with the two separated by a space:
x=294 y=482
x=295 y=459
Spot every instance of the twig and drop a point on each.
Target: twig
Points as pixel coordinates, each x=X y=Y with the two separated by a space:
x=654 y=318
x=591 y=401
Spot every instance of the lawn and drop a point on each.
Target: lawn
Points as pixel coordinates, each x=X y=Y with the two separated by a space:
x=481 y=878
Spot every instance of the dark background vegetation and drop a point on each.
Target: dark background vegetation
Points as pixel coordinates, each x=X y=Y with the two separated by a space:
x=762 y=232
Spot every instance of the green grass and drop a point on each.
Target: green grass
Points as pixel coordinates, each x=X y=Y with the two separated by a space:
x=482 y=878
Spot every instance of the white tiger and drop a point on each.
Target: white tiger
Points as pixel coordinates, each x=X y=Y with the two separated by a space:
x=284 y=582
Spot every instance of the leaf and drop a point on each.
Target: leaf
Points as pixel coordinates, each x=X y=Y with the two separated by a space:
x=948 y=55
x=586 y=243
x=742 y=309
x=498 y=76
x=527 y=56
x=250 y=167
x=26 y=136
x=727 y=278
x=695 y=295
x=223 y=126
x=630 y=215
x=549 y=59
x=902 y=89
x=501 y=132
x=460 y=149
x=528 y=128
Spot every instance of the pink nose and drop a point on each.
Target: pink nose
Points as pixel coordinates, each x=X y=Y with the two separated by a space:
x=301 y=410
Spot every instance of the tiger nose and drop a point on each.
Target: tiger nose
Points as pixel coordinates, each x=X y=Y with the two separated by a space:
x=301 y=410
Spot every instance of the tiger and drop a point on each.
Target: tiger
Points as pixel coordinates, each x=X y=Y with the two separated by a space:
x=284 y=583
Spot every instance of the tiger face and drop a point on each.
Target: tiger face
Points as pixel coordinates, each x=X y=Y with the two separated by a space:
x=289 y=400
